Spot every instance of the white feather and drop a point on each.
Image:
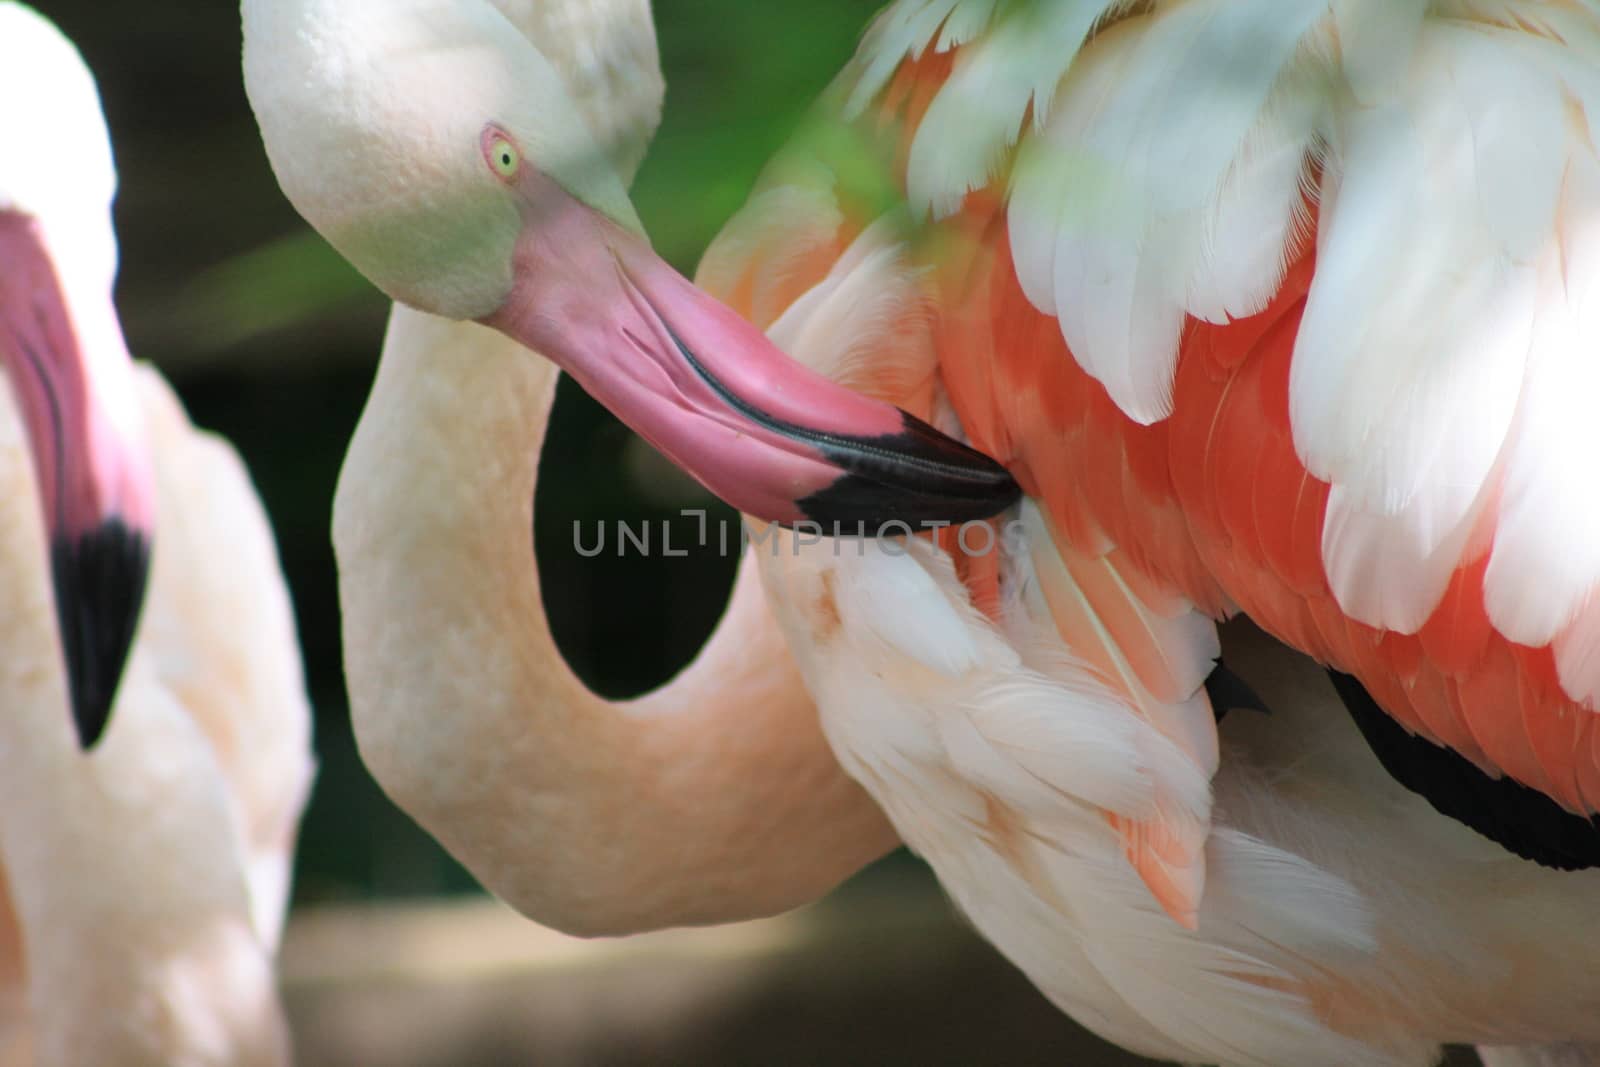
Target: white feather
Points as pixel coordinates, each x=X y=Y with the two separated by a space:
x=968 y=20
x=1407 y=252
x=865 y=324
x=1248 y=237
x=1546 y=559
x=1391 y=570
x=1375 y=38
x=1055 y=183
x=1263 y=911
x=1187 y=639
x=896 y=602
x=1138 y=144
x=1412 y=350
x=1049 y=884
x=979 y=111
x=902 y=30
x=1020 y=730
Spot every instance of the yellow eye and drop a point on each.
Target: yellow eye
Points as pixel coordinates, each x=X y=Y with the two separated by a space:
x=500 y=151
x=504 y=157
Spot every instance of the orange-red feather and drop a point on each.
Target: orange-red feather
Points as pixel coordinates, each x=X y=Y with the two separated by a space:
x=1214 y=502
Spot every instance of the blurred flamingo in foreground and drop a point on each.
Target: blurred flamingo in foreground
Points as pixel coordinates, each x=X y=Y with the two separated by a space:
x=145 y=880
x=1366 y=441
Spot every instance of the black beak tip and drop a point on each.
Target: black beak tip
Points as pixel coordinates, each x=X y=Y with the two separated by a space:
x=100 y=580
x=1228 y=691
x=916 y=478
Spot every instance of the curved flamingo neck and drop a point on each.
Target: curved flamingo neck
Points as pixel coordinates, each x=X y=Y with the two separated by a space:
x=712 y=799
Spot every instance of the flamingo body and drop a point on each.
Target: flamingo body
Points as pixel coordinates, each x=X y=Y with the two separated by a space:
x=1176 y=463
x=1343 y=921
x=1157 y=283
x=164 y=856
x=144 y=881
x=1346 y=432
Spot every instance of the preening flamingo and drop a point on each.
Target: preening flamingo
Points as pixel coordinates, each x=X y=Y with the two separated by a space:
x=1275 y=307
x=144 y=881
x=713 y=798
x=1344 y=920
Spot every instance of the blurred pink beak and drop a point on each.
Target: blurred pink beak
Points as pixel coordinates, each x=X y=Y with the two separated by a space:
x=95 y=490
x=767 y=435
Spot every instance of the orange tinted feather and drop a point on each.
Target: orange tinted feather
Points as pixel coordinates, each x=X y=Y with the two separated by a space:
x=1210 y=507
x=1215 y=504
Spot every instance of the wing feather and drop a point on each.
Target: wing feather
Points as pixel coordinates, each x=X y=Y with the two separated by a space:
x=1414 y=345
x=982 y=107
x=1144 y=142
x=1546 y=560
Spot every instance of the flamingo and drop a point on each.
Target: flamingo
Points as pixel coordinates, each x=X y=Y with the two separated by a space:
x=1344 y=920
x=712 y=799
x=1271 y=309
x=143 y=882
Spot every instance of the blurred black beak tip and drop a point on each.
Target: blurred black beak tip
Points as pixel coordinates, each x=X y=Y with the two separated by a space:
x=100 y=581
x=918 y=478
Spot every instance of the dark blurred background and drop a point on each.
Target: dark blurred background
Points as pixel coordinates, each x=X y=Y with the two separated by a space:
x=271 y=340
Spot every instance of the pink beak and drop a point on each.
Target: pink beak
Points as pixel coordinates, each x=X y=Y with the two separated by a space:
x=95 y=490
x=767 y=435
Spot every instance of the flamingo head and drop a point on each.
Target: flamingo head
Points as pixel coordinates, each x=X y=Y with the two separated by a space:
x=68 y=368
x=438 y=149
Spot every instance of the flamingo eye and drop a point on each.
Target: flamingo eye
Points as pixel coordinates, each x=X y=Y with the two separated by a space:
x=503 y=156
